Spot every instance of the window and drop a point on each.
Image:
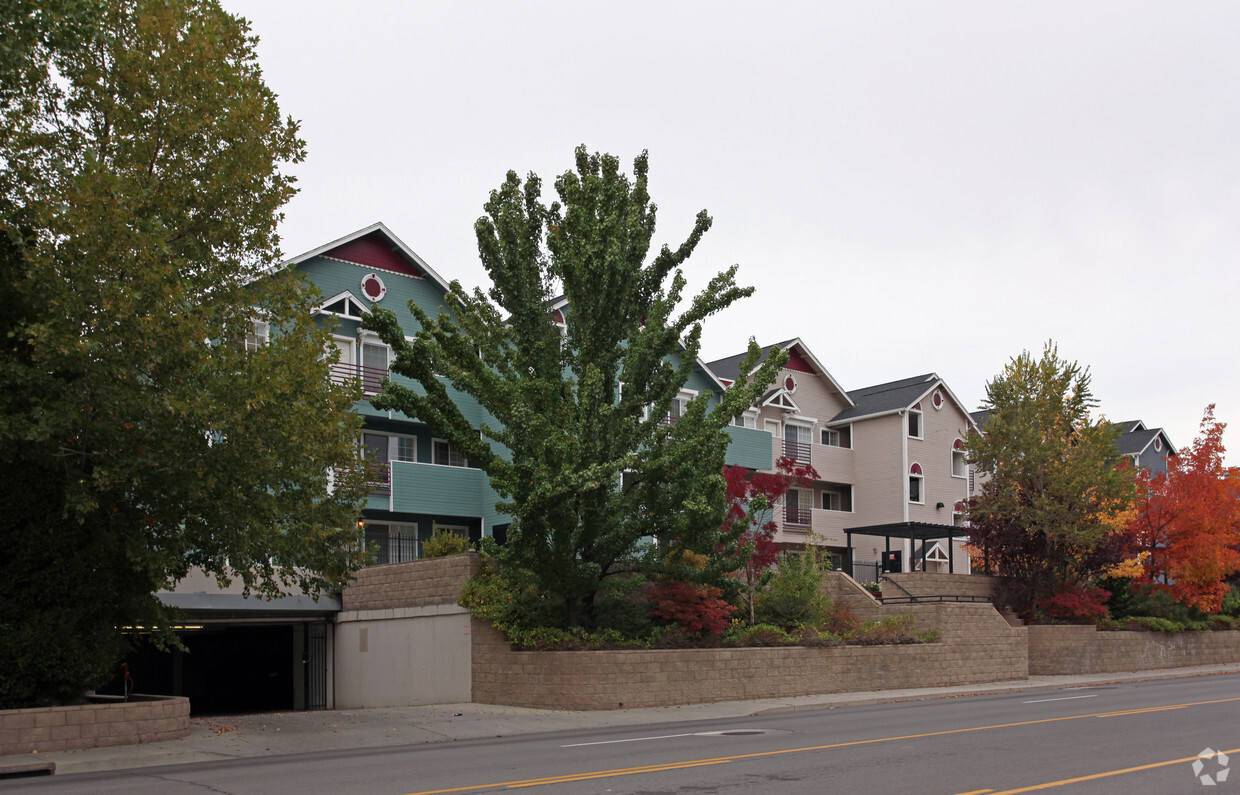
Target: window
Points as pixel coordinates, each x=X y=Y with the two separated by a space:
x=745 y=421
x=914 y=421
x=392 y=543
x=797 y=508
x=837 y=497
x=960 y=469
x=258 y=335
x=772 y=427
x=915 y=479
x=406 y=448
x=837 y=437
x=445 y=454
x=374 y=355
x=796 y=442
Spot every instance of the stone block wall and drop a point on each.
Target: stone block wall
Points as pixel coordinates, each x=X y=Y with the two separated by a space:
x=936 y=584
x=977 y=646
x=418 y=583
x=1071 y=650
x=146 y=720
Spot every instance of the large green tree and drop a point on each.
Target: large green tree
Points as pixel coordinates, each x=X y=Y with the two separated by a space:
x=579 y=442
x=145 y=428
x=1050 y=513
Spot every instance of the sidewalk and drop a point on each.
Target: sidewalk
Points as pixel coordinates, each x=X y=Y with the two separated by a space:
x=238 y=736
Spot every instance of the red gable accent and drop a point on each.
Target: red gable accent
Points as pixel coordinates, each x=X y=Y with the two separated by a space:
x=798 y=363
x=915 y=469
x=557 y=317
x=375 y=251
x=958 y=445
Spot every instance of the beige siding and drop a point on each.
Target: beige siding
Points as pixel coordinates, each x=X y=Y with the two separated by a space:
x=878 y=461
x=940 y=429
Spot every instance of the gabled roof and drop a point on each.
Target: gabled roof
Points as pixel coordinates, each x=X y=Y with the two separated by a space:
x=980 y=418
x=375 y=247
x=895 y=396
x=728 y=368
x=1138 y=441
x=1128 y=426
x=889 y=397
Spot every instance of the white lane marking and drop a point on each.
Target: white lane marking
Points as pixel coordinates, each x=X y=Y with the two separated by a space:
x=1065 y=698
x=630 y=740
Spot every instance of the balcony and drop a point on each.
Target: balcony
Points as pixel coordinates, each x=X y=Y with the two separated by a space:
x=797 y=451
x=371 y=377
x=390 y=546
x=796 y=518
x=379 y=478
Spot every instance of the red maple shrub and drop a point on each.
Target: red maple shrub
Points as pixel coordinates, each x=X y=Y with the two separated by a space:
x=697 y=609
x=1079 y=604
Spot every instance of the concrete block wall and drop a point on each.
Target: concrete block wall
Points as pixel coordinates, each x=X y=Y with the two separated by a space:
x=146 y=720
x=977 y=646
x=418 y=583
x=936 y=584
x=843 y=589
x=1058 y=649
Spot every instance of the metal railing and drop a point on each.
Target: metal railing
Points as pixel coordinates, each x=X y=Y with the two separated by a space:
x=379 y=478
x=389 y=548
x=797 y=517
x=371 y=377
x=797 y=451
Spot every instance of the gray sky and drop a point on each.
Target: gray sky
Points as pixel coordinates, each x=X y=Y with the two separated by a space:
x=912 y=187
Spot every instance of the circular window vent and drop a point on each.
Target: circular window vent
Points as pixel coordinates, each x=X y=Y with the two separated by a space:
x=373 y=287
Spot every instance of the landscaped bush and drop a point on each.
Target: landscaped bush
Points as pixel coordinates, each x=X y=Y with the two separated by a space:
x=623 y=605
x=758 y=635
x=697 y=609
x=443 y=543
x=1154 y=601
x=1119 y=605
x=1078 y=604
x=793 y=595
x=1231 y=603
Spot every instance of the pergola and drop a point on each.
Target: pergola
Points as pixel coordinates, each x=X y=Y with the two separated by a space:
x=914 y=531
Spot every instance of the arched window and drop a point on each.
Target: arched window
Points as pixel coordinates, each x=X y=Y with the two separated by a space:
x=916 y=480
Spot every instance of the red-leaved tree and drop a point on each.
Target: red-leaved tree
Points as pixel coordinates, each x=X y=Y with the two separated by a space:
x=752 y=497
x=1189 y=520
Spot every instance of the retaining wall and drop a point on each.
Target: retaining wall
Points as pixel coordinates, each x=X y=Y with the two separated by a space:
x=418 y=583
x=148 y=719
x=936 y=584
x=1084 y=650
x=976 y=646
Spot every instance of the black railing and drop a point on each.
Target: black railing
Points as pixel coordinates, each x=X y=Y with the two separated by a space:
x=390 y=548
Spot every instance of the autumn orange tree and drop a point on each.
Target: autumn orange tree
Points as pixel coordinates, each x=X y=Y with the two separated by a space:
x=1188 y=521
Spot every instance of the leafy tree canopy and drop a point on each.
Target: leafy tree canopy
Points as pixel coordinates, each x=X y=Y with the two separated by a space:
x=140 y=187
x=1055 y=492
x=572 y=409
x=1188 y=521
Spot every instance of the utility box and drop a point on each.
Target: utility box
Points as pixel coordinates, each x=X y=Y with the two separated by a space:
x=893 y=562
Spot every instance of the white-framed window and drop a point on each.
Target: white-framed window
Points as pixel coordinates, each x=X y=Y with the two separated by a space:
x=406 y=449
x=680 y=404
x=960 y=469
x=796 y=441
x=836 y=437
x=837 y=497
x=258 y=335
x=444 y=454
x=797 y=504
x=914 y=422
x=375 y=354
x=746 y=420
x=916 y=484
x=958 y=515
x=773 y=427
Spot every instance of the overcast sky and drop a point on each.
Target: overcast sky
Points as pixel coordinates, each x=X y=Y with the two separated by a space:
x=911 y=187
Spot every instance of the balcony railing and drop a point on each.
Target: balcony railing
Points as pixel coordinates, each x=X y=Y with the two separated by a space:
x=371 y=377
x=379 y=478
x=390 y=547
x=797 y=451
x=797 y=517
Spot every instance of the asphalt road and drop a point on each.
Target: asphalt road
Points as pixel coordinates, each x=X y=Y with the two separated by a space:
x=1124 y=738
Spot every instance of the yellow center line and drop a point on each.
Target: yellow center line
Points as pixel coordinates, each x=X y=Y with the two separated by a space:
x=1108 y=773
x=628 y=771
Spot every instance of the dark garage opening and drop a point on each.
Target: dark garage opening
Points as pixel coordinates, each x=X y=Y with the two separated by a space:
x=224 y=670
